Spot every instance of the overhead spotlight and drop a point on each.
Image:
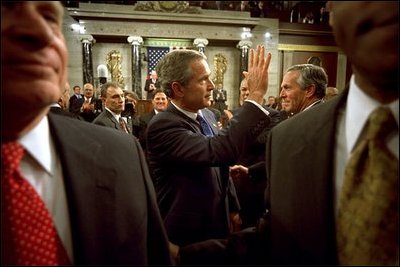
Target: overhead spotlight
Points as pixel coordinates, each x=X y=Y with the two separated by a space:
x=268 y=35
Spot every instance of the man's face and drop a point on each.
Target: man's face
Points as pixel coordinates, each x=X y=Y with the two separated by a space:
x=33 y=55
x=115 y=100
x=160 y=101
x=271 y=100
x=88 y=90
x=370 y=39
x=244 y=91
x=77 y=90
x=293 y=97
x=197 y=93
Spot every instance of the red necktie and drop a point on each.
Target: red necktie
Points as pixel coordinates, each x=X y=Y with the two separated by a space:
x=123 y=125
x=29 y=236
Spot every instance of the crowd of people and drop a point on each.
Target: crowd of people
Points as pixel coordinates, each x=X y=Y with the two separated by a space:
x=103 y=187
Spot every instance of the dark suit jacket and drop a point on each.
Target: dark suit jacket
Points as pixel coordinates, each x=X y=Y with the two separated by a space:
x=300 y=190
x=190 y=170
x=75 y=104
x=143 y=123
x=299 y=228
x=111 y=199
x=90 y=115
x=105 y=118
x=60 y=111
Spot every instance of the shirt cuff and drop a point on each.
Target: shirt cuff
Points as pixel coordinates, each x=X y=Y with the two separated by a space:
x=258 y=105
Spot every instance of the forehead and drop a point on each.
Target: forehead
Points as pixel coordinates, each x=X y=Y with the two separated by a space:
x=160 y=95
x=291 y=76
x=243 y=85
x=200 y=66
x=114 y=90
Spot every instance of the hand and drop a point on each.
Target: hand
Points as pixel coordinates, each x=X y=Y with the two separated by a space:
x=239 y=172
x=228 y=114
x=235 y=222
x=174 y=252
x=257 y=74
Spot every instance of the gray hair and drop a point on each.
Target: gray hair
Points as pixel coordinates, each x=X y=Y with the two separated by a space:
x=107 y=85
x=175 y=67
x=311 y=74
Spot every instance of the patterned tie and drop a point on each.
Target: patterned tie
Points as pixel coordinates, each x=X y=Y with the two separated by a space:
x=28 y=234
x=368 y=217
x=205 y=128
x=123 y=125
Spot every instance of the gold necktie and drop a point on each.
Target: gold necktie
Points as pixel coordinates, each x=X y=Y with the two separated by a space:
x=368 y=218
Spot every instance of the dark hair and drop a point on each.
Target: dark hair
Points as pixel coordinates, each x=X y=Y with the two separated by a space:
x=157 y=91
x=175 y=67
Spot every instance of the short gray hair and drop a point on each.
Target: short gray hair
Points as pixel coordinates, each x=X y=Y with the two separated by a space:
x=311 y=74
x=107 y=85
x=175 y=67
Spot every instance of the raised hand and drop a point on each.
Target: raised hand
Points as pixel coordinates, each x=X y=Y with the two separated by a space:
x=257 y=74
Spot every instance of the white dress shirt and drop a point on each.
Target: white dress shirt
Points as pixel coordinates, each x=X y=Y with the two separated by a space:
x=42 y=168
x=351 y=122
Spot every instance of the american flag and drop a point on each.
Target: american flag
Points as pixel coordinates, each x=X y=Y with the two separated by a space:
x=154 y=54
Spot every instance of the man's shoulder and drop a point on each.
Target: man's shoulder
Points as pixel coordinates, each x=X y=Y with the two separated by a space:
x=75 y=129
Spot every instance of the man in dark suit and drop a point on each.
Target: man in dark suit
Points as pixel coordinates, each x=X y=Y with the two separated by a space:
x=250 y=185
x=92 y=180
x=188 y=163
x=76 y=100
x=61 y=107
x=151 y=85
x=91 y=106
x=305 y=185
x=160 y=103
x=114 y=103
x=307 y=156
x=220 y=97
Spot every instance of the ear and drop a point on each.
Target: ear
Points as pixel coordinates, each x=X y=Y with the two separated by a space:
x=177 y=89
x=310 y=90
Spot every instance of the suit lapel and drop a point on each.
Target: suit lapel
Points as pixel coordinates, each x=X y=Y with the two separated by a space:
x=113 y=120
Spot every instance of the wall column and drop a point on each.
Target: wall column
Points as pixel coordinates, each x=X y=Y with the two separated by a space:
x=136 y=41
x=201 y=44
x=244 y=45
x=87 y=62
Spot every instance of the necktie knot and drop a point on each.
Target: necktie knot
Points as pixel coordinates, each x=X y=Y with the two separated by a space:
x=11 y=154
x=381 y=123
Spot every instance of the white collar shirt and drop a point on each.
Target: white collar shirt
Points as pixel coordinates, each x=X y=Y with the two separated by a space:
x=41 y=166
x=351 y=122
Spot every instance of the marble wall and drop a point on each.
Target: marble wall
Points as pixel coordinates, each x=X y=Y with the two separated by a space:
x=221 y=28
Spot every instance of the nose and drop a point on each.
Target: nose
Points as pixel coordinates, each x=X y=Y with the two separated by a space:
x=31 y=26
x=282 y=94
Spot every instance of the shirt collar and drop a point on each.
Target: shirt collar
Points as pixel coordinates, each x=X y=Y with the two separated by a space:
x=116 y=116
x=38 y=144
x=359 y=107
x=191 y=115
